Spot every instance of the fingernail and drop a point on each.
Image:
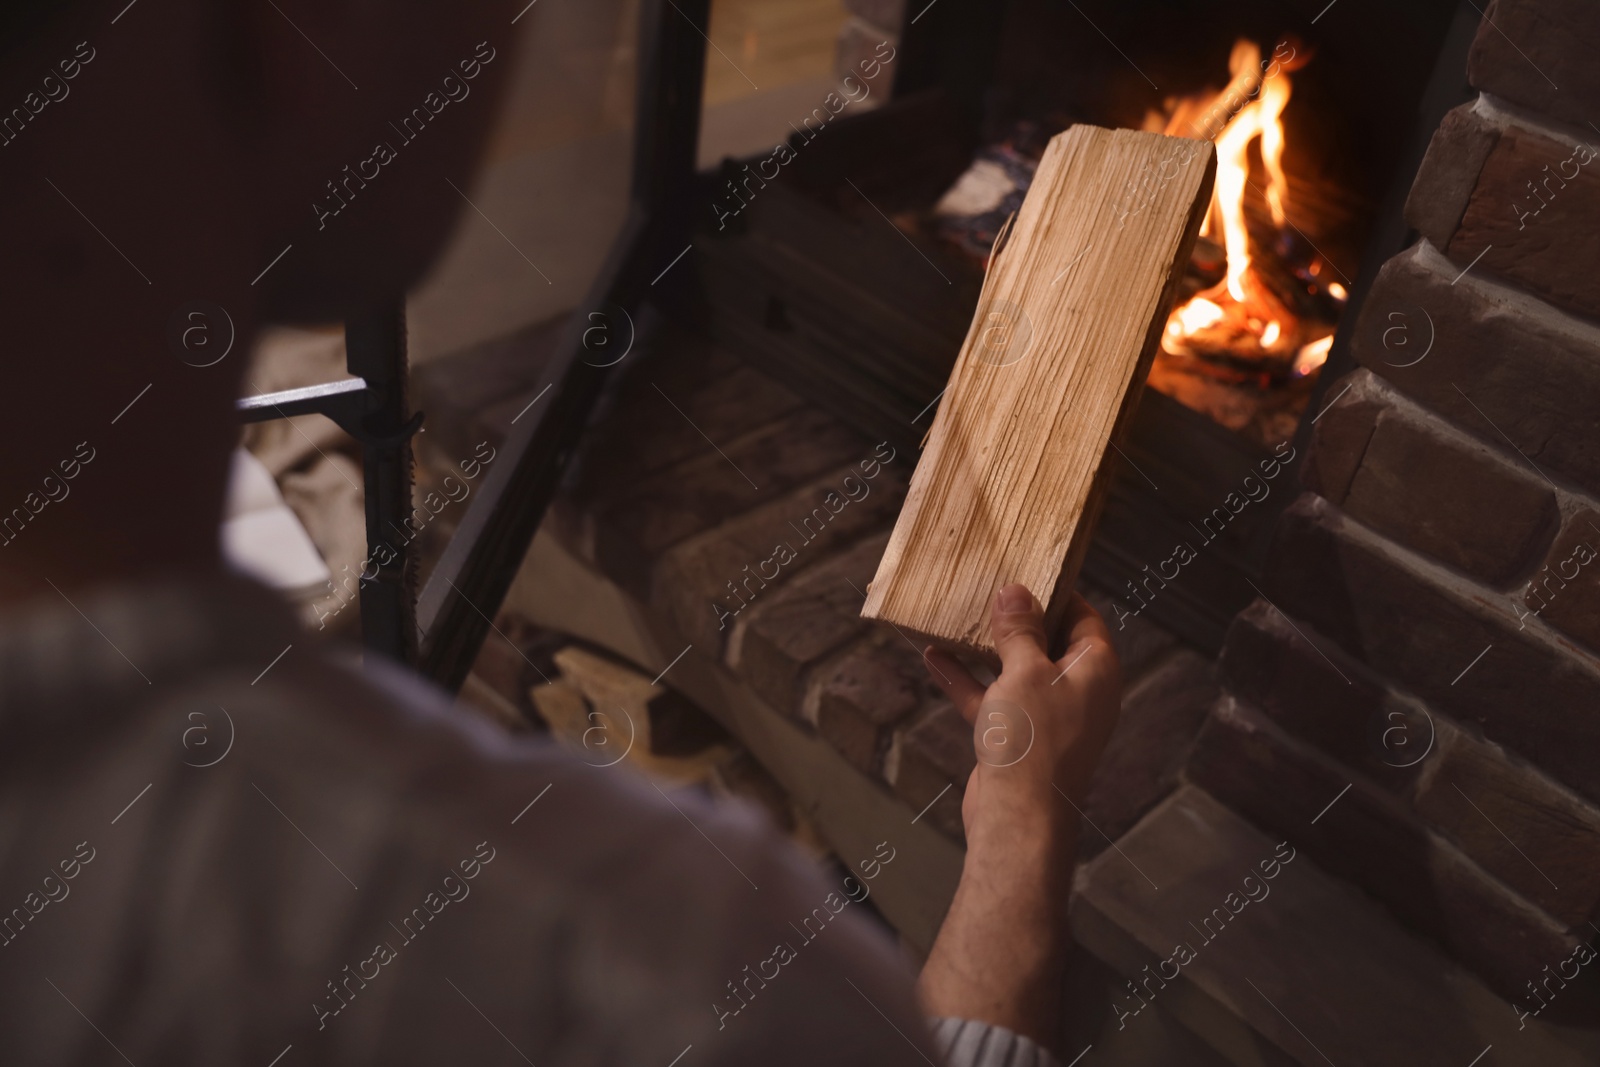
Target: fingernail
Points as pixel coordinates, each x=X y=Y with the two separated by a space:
x=1015 y=597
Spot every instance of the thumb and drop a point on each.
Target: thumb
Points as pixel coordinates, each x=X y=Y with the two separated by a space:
x=1016 y=622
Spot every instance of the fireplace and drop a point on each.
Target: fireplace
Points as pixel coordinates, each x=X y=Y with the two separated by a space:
x=852 y=279
x=1407 y=692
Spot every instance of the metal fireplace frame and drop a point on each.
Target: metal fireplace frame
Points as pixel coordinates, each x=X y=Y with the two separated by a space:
x=440 y=630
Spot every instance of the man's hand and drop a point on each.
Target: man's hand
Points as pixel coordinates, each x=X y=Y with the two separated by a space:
x=1041 y=726
x=1038 y=731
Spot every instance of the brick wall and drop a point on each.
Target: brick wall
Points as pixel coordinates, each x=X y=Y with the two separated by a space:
x=1430 y=652
x=702 y=494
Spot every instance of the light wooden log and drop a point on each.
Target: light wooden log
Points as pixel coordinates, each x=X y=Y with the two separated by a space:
x=1015 y=469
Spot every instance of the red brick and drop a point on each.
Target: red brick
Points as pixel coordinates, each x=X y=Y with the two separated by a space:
x=1538 y=242
x=1455 y=501
x=1449 y=170
x=1311 y=972
x=1552 y=253
x=1340 y=440
x=1161 y=714
x=1323 y=697
x=1531 y=834
x=1565 y=590
x=1532 y=371
x=929 y=754
x=1369 y=837
x=640 y=519
x=639 y=433
x=865 y=693
x=689 y=584
x=1540 y=54
x=1425 y=628
x=786 y=630
x=1433 y=490
x=1270 y=667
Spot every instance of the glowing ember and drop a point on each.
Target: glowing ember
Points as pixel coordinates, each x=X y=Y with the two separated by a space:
x=1269 y=336
x=1197 y=314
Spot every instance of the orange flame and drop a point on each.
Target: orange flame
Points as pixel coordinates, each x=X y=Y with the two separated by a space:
x=1247 y=111
x=1312 y=356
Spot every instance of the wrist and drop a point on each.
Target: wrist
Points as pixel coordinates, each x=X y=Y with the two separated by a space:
x=1017 y=799
x=1027 y=832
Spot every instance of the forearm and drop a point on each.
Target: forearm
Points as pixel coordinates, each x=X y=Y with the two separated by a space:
x=1000 y=954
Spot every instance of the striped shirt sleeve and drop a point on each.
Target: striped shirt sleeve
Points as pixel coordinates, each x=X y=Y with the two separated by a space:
x=967 y=1043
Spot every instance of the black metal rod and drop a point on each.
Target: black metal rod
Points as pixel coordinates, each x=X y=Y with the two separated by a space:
x=667 y=101
x=471 y=579
x=375 y=350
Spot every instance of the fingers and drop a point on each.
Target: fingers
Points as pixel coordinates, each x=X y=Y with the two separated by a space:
x=1017 y=623
x=1087 y=633
x=956 y=681
x=1083 y=621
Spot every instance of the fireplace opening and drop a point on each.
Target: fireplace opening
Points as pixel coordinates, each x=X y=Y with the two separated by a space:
x=1260 y=301
x=1303 y=147
x=874 y=235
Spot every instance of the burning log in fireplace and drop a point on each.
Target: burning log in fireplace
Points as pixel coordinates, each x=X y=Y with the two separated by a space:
x=1259 y=302
x=1271 y=302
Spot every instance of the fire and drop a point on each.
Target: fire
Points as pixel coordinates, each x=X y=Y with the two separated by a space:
x=1241 y=315
x=1197 y=314
x=1260 y=119
x=1312 y=356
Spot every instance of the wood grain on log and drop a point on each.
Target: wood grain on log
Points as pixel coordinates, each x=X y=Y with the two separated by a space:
x=1069 y=318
